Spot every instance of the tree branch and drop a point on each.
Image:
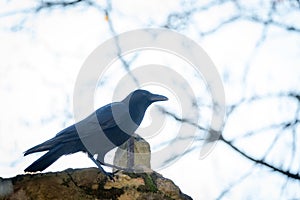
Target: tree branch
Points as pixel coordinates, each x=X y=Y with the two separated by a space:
x=262 y=162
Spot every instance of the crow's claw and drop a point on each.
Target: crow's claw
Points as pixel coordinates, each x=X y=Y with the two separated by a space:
x=110 y=175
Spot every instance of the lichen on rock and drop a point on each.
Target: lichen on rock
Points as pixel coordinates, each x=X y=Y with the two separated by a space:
x=89 y=183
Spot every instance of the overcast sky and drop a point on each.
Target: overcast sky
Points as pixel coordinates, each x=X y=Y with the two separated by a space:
x=41 y=61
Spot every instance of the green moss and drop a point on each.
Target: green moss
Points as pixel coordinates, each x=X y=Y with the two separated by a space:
x=149 y=186
x=149 y=183
x=149 y=179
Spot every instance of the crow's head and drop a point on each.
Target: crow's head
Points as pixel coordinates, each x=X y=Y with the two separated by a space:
x=143 y=97
x=138 y=102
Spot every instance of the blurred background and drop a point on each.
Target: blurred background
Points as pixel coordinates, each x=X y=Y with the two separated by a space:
x=255 y=46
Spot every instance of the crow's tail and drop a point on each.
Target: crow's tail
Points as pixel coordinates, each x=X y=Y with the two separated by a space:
x=38 y=148
x=46 y=160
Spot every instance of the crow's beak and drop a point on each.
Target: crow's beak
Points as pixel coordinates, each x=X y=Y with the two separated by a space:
x=157 y=97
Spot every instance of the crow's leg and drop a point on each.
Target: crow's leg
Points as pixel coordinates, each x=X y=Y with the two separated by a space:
x=98 y=163
x=117 y=167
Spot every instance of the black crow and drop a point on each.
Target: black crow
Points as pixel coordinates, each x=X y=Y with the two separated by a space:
x=118 y=121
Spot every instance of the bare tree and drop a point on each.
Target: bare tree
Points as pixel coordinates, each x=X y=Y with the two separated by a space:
x=283 y=133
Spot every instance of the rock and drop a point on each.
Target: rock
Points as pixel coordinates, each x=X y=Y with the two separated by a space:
x=6 y=187
x=89 y=183
x=142 y=155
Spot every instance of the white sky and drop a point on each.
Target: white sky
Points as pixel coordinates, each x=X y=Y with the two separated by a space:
x=40 y=65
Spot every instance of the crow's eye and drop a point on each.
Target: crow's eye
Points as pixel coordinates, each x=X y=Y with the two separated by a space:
x=146 y=95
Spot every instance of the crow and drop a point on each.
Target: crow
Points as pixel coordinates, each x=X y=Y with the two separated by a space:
x=106 y=128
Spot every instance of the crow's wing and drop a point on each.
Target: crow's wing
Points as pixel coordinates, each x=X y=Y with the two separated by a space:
x=112 y=115
x=68 y=134
x=107 y=117
x=104 y=119
x=105 y=129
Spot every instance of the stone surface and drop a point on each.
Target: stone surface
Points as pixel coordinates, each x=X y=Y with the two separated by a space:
x=89 y=184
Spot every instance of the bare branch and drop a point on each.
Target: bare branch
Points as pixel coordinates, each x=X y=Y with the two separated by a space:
x=262 y=162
